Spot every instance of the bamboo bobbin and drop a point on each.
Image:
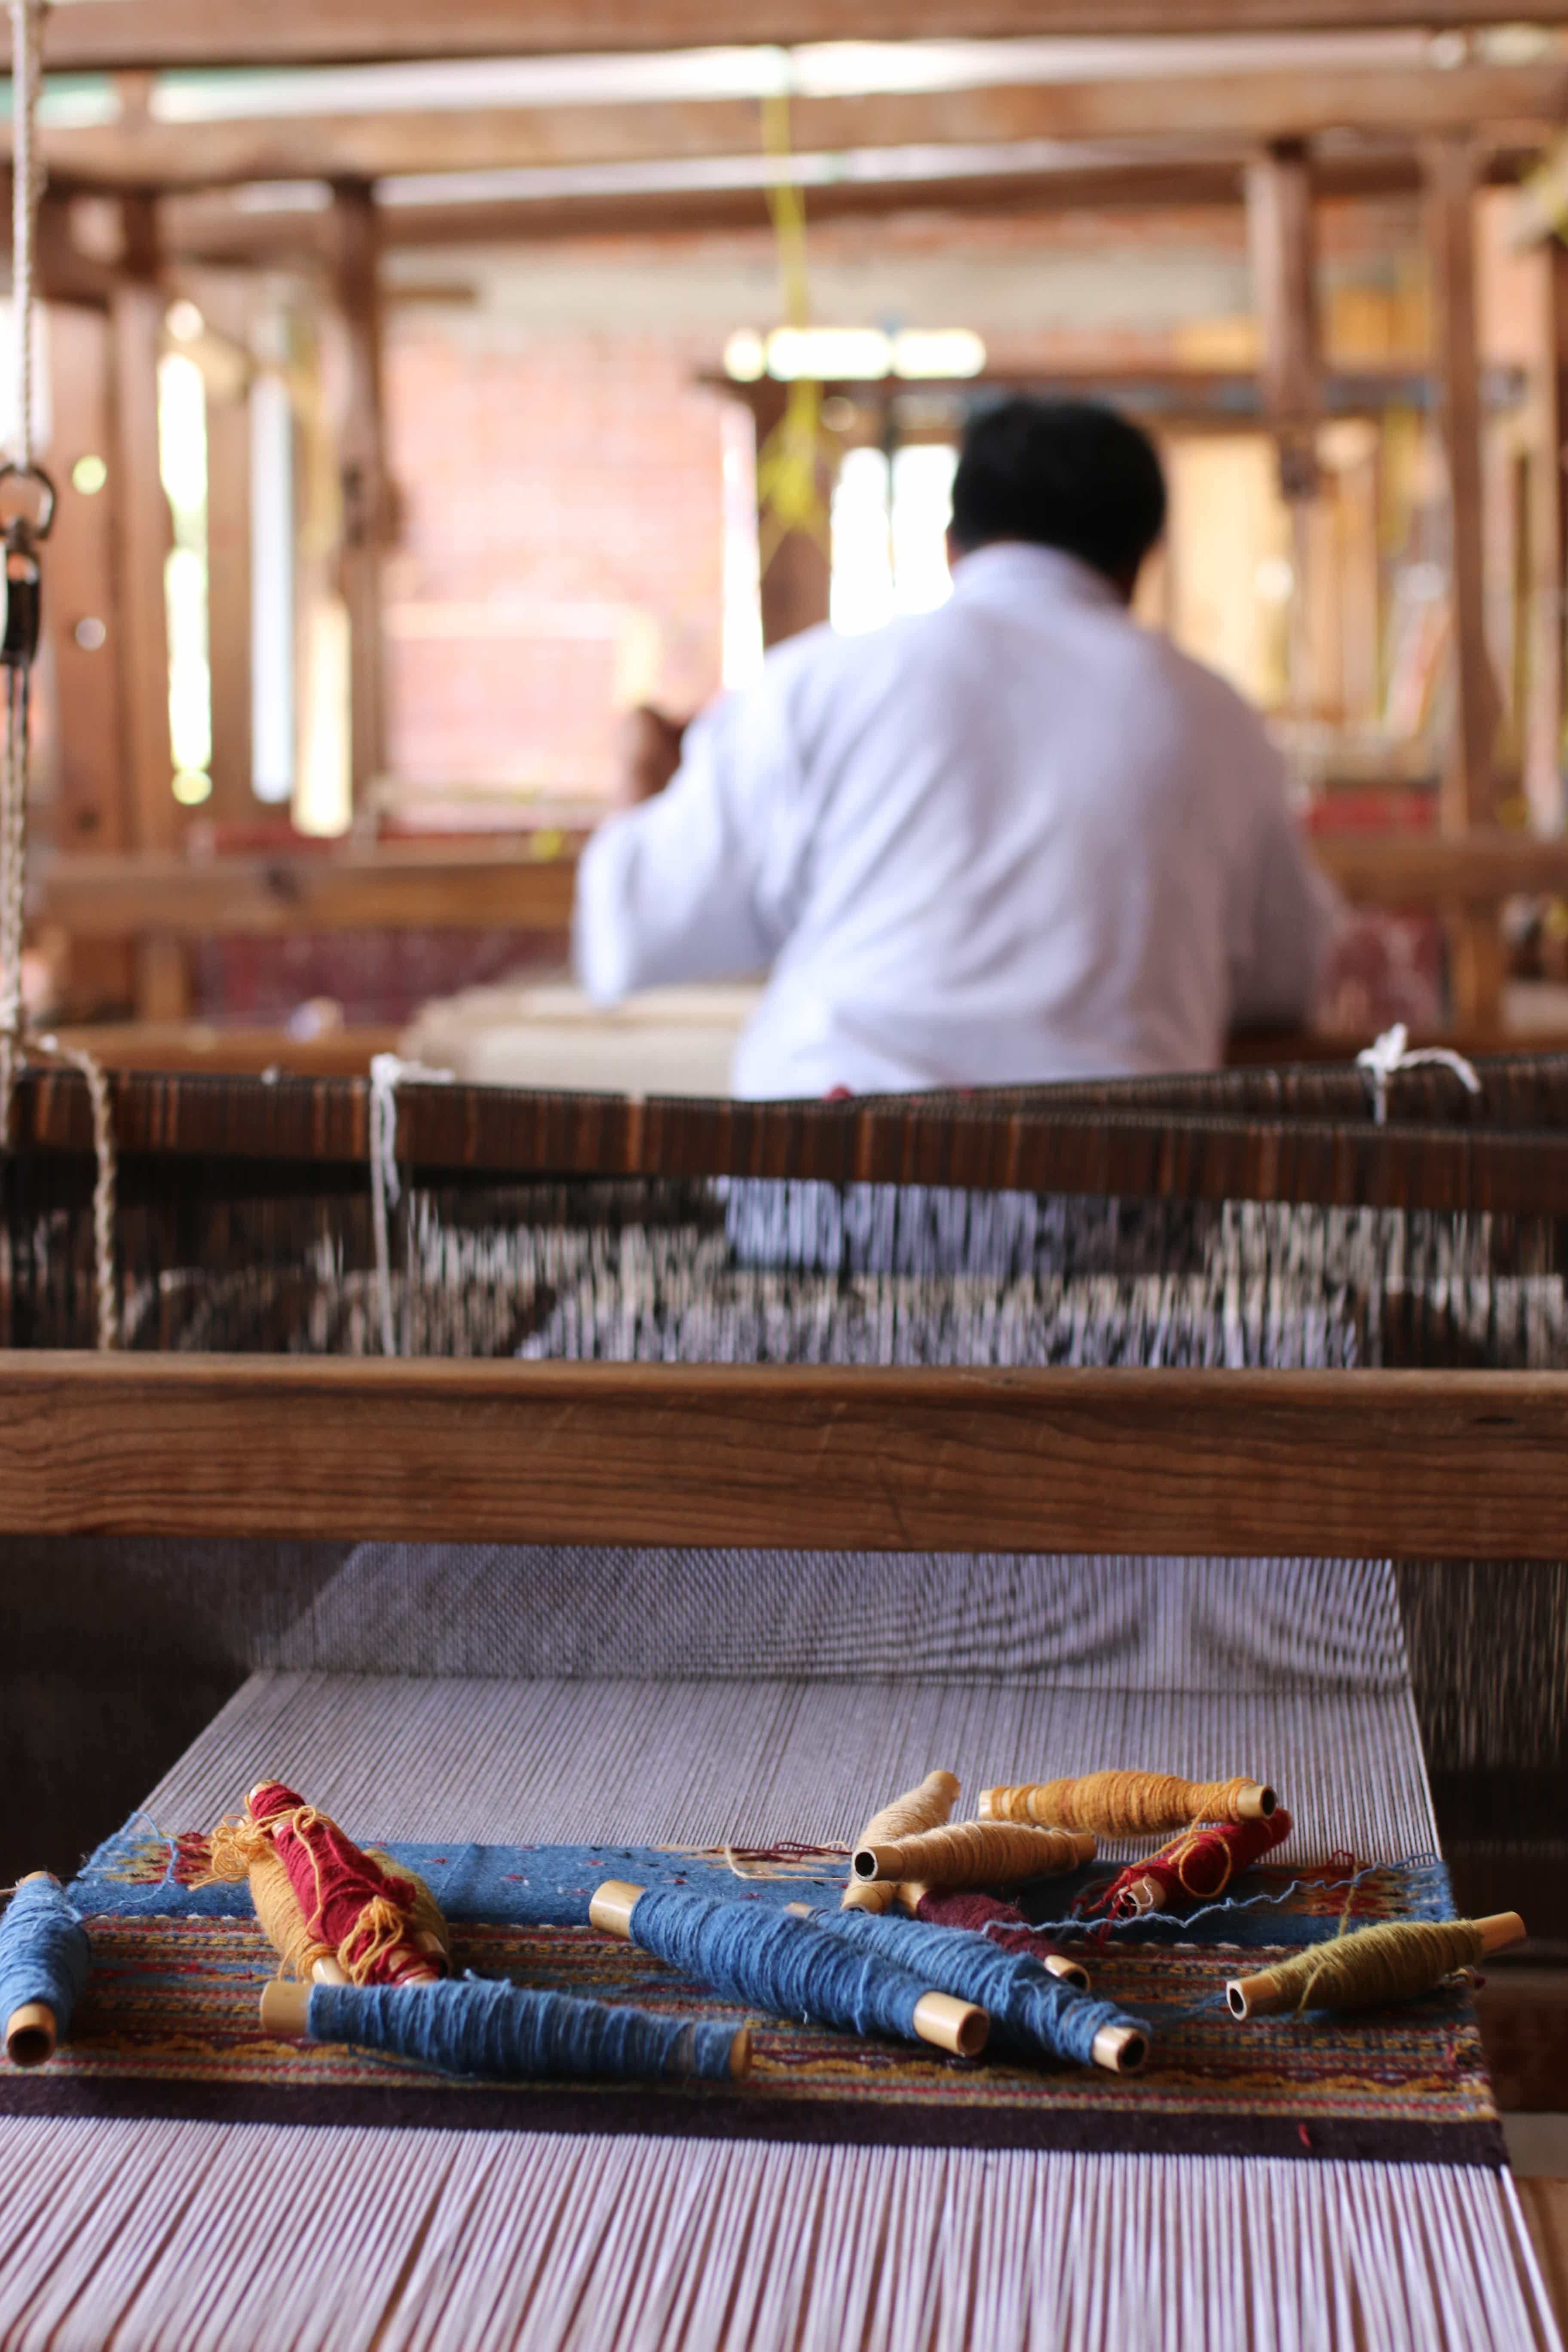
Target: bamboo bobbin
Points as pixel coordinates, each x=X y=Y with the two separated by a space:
x=1120 y=2049
x=925 y=1808
x=974 y=1853
x=1263 y=1995
x=284 y=2006
x=32 y=2031
x=947 y=2024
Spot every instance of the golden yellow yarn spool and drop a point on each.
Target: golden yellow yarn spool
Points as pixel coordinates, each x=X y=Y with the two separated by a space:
x=918 y=1808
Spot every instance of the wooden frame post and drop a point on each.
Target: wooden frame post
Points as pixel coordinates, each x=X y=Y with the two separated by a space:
x=1281 y=235
x=366 y=491
x=1550 y=640
x=1469 y=787
x=1280 y=231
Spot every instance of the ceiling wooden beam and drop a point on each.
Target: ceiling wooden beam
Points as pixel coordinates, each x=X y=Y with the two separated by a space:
x=211 y=228
x=140 y=33
x=1235 y=109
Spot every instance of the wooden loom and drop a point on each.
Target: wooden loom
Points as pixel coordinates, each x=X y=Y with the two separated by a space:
x=1419 y=1464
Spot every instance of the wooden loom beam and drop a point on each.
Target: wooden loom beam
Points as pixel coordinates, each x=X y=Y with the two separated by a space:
x=99 y=34
x=1453 y=1464
x=499 y=884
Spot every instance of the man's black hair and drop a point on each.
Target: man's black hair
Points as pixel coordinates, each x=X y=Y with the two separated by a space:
x=1060 y=473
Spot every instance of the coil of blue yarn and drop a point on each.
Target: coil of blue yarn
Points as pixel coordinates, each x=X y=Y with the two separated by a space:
x=44 y=1962
x=483 y=2026
x=1031 y=2011
x=771 y=1962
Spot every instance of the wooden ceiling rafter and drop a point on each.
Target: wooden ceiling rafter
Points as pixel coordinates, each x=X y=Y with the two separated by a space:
x=99 y=35
x=1229 y=109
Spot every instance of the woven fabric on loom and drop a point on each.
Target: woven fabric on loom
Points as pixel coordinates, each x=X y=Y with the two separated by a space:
x=920 y=2250
x=169 y=2027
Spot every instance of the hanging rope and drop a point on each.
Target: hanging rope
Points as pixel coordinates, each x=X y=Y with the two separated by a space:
x=789 y=497
x=24 y=534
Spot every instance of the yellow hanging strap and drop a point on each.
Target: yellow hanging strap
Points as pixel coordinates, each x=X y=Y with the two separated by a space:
x=788 y=497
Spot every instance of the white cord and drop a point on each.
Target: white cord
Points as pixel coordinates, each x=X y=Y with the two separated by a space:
x=1391 y=1053
x=387 y=1072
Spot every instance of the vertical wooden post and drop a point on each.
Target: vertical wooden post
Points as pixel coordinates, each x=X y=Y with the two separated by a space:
x=143 y=541
x=1550 y=692
x=79 y=671
x=795 y=581
x=367 y=488
x=226 y=305
x=1281 y=235
x=1469 y=784
x=1284 y=269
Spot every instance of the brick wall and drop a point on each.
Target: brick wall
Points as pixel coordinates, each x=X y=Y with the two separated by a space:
x=561 y=471
x=560 y=547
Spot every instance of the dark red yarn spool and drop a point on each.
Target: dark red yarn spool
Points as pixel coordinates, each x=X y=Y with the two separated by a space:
x=1199 y=1865
x=335 y=1881
x=1000 y=1923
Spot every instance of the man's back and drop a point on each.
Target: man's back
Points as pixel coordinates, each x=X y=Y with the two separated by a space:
x=1016 y=839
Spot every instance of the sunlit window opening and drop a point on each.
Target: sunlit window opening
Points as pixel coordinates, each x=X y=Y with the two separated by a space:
x=889 y=526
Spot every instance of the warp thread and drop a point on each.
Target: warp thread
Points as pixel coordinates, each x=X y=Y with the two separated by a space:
x=1118 y=1804
x=510 y=2034
x=351 y=1905
x=1030 y=2010
x=787 y=1965
x=387 y=1072
x=1197 y=1866
x=1372 y=1966
x=972 y=1854
x=925 y=1807
x=44 y=1957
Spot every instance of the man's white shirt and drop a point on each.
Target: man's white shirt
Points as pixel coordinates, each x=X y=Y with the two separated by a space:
x=1015 y=839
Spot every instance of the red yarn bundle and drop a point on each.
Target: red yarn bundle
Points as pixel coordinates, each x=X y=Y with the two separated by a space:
x=1196 y=1866
x=1000 y=1923
x=346 y=1898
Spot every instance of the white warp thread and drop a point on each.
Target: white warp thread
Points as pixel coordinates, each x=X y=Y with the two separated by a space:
x=387 y=1072
x=1391 y=1053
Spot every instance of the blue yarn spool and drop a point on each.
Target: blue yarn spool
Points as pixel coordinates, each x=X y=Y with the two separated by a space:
x=44 y=1960
x=487 y=2027
x=787 y=1965
x=1031 y=2009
